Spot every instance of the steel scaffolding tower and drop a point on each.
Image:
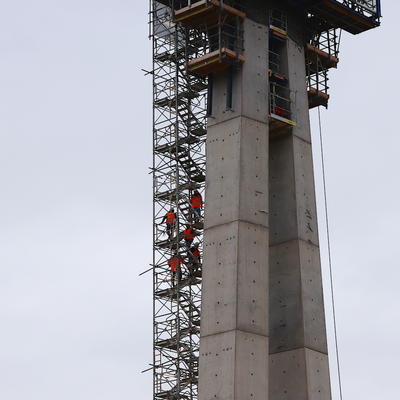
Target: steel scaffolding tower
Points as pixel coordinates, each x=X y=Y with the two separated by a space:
x=179 y=128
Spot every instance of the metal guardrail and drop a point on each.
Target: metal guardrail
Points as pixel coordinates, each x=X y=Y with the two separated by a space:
x=178 y=4
x=363 y=6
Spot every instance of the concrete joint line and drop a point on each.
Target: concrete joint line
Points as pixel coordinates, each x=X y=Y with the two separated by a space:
x=236 y=330
x=237 y=220
x=265 y=122
x=299 y=348
x=295 y=240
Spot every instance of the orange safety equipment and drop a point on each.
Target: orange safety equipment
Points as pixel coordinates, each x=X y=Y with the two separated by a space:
x=196 y=201
x=171 y=218
x=175 y=263
x=188 y=234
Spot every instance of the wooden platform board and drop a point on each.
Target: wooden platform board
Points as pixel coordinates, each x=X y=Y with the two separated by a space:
x=278 y=33
x=279 y=125
x=206 y=13
x=317 y=98
x=314 y=53
x=214 y=62
x=275 y=77
x=343 y=17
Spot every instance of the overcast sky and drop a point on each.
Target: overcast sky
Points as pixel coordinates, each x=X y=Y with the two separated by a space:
x=75 y=202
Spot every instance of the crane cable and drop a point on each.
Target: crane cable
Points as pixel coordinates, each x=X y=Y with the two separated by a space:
x=329 y=255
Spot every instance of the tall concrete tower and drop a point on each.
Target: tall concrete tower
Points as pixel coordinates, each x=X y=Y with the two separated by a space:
x=264 y=64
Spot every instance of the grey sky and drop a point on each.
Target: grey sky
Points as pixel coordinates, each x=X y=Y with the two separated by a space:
x=75 y=204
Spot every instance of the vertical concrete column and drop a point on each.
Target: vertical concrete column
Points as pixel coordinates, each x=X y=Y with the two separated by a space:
x=234 y=325
x=298 y=347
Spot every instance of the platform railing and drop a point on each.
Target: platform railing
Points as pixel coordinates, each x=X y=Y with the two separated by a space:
x=369 y=8
x=274 y=62
x=225 y=36
x=179 y=4
x=280 y=101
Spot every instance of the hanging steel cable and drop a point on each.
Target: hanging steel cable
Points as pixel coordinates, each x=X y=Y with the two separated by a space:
x=330 y=255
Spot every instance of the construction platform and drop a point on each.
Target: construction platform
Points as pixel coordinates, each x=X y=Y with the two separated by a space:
x=277 y=77
x=206 y=12
x=315 y=55
x=341 y=15
x=278 y=33
x=214 y=62
x=279 y=125
x=317 y=98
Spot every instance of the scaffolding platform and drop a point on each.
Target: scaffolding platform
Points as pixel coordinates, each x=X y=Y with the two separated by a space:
x=315 y=56
x=175 y=56
x=173 y=342
x=171 y=395
x=198 y=225
x=170 y=148
x=174 y=101
x=278 y=33
x=317 y=98
x=197 y=274
x=214 y=62
x=173 y=292
x=199 y=178
x=167 y=244
x=168 y=195
x=279 y=125
x=172 y=193
x=341 y=15
x=206 y=13
x=276 y=77
x=198 y=131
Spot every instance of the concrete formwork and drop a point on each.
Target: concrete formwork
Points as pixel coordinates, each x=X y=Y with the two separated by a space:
x=234 y=331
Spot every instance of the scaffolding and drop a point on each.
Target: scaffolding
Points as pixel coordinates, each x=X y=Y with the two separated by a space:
x=179 y=129
x=354 y=16
x=281 y=98
x=192 y=40
x=322 y=53
x=219 y=44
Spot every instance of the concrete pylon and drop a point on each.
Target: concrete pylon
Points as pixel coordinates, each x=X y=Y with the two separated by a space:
x=234 y=328
x=263 y=334
x=299 y=368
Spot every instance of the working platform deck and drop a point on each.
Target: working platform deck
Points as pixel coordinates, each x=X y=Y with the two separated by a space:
x=214 y=62
x=206 y=13
x=342 y=16
x=279 y=125
x=317 y=98
x=277 y=77
x=278 y=33
x=173 y=293
x=315 y=55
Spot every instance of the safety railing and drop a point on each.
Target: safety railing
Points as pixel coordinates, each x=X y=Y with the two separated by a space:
x=179 y=4
x=227 y=35
x=327 y=41
x=369 y=8
x=278 y=19
x=275 y=62
x=281 y=101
